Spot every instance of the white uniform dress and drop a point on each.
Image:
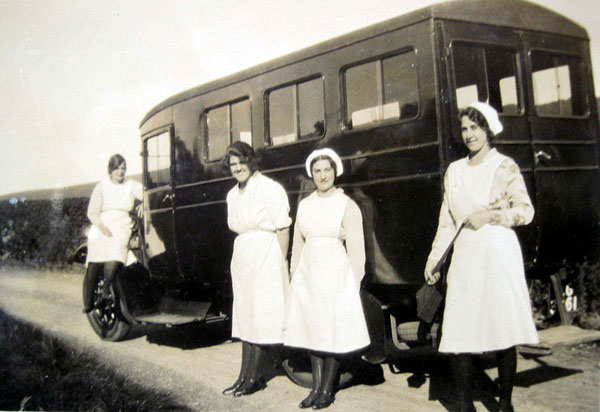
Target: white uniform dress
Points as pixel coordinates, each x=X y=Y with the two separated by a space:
x=111 y=203
x=487 y=301
x=324 y=310
x=258 y=271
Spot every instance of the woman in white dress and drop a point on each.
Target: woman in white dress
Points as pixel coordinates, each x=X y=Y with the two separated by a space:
x=325 y=314
x=111 y=202
x=487 y=302
x=258 y=211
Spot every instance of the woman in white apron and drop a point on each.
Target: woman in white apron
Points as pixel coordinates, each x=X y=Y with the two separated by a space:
x=258 y=211
x=325 y=313
x=110 y=204
x=487 y=302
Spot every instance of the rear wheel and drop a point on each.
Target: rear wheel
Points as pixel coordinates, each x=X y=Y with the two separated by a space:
x=106 y=317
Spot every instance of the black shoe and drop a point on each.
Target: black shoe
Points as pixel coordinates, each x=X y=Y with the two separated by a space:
x=324 y=400
x=238 y=384
x=250 y=386
x=309 y=400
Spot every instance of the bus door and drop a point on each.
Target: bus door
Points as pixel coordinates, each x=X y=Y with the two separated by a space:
x=484 y=63
x=563 y=121
x=159 y=241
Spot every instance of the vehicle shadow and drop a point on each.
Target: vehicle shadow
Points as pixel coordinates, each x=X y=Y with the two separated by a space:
x=188 y=336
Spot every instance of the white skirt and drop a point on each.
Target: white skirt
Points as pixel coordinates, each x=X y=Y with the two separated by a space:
x=487 y=301
x=103 y=248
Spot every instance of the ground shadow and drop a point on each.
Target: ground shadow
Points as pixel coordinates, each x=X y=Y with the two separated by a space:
x=189 y=336
x=426 y=363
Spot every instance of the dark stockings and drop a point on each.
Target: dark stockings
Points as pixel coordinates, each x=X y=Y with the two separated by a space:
x=251 y=375
x=245 y=366
x=507 y=370
x=462 y=371
x=324 y=371
x=110 y=271
x=317 y=364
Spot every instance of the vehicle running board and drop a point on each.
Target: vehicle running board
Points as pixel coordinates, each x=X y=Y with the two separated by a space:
x=176 y=312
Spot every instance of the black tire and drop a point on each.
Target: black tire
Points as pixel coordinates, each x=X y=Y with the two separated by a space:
x=297 y=368
x=106 y=317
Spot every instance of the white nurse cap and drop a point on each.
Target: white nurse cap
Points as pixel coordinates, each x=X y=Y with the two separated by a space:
x=325 y=152
x=490 y=114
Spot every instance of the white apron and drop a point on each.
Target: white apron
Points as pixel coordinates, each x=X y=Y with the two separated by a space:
x=258 y=271
x=487 y=301
x=324 y=310
x=117 y=201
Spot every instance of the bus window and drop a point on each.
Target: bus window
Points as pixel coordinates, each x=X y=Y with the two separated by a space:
x=226 y=124
x=296 y=112
x=488 y=74
x=158 y=160
x=381 y=90
x=557 y=84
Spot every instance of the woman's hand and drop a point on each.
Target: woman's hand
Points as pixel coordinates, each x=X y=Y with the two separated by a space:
x=477 y=219
x=139 y=210
x=431 y=278
x=105 y=231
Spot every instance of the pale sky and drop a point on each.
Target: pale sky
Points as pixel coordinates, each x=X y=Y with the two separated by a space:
x=77 y=76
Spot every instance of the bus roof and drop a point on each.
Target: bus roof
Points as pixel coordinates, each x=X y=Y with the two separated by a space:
x=507 y=13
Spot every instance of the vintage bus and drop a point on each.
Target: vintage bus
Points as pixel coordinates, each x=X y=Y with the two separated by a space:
x=386 y=98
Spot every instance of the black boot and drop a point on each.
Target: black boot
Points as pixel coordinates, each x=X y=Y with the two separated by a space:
x=507 y=370
x=462 y=370
x=255 y=381
x=317 y=364
x=246 y=349
x=92 y=274
x=327 y=395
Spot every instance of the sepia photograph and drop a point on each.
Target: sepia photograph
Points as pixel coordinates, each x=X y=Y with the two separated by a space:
x=270 y=205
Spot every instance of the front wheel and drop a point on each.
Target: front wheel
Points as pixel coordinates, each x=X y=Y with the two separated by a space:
x=106 y=317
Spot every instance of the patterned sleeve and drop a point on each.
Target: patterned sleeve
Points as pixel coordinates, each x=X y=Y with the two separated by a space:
x=446 y=227
x=278 y=206
x=512 y=205
x=95 y=205
x=355 y=239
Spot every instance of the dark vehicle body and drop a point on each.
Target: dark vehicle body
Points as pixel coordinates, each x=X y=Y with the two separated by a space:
x=386 y=99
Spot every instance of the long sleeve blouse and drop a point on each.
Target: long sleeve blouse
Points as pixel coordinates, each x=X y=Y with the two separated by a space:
x=510 y=206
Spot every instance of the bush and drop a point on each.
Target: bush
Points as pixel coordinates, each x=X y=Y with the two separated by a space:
x=584 y=279
x=41 y=232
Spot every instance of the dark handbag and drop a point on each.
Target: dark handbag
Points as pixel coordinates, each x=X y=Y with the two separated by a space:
x=428 y=302
x=429 y=297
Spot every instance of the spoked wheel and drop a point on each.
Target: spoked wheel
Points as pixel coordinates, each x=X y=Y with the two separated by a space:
x=106 y=318
x=297 y=368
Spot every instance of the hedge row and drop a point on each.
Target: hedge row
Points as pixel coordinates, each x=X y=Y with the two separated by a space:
x=42 y=232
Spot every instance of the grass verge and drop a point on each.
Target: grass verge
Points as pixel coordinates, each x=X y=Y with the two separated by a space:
x=38 y=372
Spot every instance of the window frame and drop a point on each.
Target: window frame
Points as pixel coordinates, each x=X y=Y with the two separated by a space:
x=169 y=129
x=204 y=116
x=268 y=143
x=346 y=118
x=516 y=53
x=583 y=84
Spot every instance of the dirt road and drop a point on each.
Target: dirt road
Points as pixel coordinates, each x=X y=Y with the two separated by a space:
x=195 y=367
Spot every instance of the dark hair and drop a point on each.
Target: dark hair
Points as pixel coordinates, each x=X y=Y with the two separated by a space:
x=245 y=152
x=324 y=157
x=115 y=161
x=477 y=118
